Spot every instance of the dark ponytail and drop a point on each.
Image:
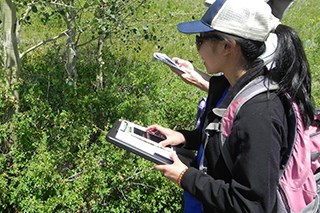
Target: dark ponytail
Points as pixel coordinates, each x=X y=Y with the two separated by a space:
x=293 y=72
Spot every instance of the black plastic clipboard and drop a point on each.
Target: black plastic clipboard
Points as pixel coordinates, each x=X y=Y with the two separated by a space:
x=153 y=157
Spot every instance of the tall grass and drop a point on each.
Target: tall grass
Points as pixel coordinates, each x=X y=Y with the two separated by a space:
x=304 y=16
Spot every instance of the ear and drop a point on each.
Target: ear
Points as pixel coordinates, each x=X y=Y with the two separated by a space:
x=229 y=46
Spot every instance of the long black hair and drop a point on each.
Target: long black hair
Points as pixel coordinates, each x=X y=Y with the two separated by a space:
x=292 y=69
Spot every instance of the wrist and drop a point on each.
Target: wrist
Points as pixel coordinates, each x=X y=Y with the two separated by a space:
x=181 y=176
x=204 y=85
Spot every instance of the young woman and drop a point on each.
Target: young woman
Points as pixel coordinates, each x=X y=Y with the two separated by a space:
x=230 y=41
x=201 y=80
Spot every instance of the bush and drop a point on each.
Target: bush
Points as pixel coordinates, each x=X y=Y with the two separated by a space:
x=60 y=160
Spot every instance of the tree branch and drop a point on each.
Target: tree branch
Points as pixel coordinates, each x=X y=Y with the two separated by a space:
x=26 y=13
x=87 y=42
x=43 y=43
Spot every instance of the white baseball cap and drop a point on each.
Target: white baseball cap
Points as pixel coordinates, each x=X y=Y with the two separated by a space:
x=250 y=19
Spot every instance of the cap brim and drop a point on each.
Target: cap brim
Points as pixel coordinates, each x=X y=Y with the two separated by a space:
x=194 y=27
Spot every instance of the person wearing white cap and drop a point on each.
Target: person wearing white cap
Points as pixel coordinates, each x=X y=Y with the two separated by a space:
x=230 y=39
x=200 y=79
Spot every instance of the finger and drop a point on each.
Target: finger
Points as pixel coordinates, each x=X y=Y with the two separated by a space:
x=165 y=143
x=160 y=168
x=154 y=127
x=177 y=60
x=174 y=157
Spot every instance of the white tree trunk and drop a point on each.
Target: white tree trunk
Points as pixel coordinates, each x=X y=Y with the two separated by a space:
x=11 y=57
x=101 y=40
x=99 y=76
x=10 y=37
x=72 y=50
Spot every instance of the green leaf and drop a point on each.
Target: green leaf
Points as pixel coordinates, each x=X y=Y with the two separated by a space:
x=34 y=8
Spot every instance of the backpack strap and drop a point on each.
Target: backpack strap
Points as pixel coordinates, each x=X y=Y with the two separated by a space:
x=291 y=113
x=224 y=125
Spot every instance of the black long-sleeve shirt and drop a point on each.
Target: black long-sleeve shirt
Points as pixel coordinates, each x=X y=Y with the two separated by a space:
x=257 y=140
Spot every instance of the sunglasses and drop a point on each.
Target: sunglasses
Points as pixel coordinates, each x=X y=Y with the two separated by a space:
x=201 y=39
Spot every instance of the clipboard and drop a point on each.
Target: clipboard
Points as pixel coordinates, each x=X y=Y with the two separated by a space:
x=127 y=135
x=168 y=61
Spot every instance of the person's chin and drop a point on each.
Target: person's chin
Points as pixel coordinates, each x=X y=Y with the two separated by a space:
x=212 y=71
